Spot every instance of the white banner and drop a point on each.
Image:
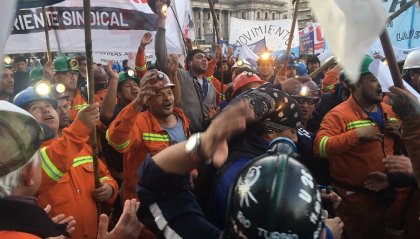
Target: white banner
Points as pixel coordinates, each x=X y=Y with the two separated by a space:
x=117 y=26
x=276 y=33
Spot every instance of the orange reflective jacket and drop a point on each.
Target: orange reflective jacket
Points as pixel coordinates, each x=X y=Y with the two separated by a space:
x=79 y=102
x=135 y=135
x=68 y=181
x=141 y=66
x=352 y=160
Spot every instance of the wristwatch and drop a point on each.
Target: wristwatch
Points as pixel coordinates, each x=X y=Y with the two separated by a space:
x=193 y=144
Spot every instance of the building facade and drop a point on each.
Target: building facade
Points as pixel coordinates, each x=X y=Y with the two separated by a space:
x=244 y=9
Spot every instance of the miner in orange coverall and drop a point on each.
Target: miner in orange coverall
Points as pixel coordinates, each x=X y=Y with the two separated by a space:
x=356 y=136
x=67 y=168
x=136 y=134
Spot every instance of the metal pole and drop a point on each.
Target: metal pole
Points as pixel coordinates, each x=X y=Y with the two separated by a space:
x=289 y=43
x=47 y=35
x=91 y=92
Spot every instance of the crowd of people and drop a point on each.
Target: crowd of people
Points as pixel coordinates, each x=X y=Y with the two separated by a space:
x=212 y=147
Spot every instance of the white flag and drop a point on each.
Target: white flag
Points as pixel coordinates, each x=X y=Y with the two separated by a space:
x=350 y=28
x=7 y=12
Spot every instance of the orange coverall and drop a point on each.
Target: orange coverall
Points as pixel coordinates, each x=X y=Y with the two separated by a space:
x=68 y=181
x=135 y=135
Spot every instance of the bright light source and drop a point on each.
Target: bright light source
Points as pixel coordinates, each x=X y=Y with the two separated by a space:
x=265 y=56
x=304 y=91
x=60 y=88
x=164 y=9
x=239 y=62
x=43 y=87
x=130 y=72
x=7 y=60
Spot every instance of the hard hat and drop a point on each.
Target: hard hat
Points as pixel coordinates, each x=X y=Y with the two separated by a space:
x=275 y=111
x=413 y=60
x=165 y=80
x=301 y=69
x=365 y=64
x=26 y=96
x=36 y=74
x=21 y=137
x=61 y=64
x=241 y=63
x=308 y=89
x=244 y=79
x=123 y=76
x=292 y=62
x=274 y=196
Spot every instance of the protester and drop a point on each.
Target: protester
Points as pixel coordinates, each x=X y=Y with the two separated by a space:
x=412 y=65
x=245 y=81
x=164 y=180
x=67 y=176
x=353 y=138
x=21 y=73
x=407 y=108
x=313 y=63
x=6 y=84
x=265 y=65
x=20 y=178
x=141 y=63
x=198 y=95
x=137 y=134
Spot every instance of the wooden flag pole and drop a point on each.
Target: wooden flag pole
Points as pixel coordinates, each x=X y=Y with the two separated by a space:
x=391 y=59
x=289 y=43
x=389 y=50
x=91 y=92
x=216 y=28
x=47 y=35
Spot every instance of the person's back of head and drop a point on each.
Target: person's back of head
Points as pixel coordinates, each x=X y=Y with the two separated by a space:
x=21 y=138
x=274 y=196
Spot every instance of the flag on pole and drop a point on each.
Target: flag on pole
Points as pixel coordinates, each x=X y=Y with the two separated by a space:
x=350 y=28
x=248 y=55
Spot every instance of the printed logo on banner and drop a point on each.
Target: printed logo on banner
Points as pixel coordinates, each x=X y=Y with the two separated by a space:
x=404 y=31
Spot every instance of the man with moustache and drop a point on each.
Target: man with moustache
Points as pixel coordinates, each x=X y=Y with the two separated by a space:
x=137 y=134
x=198 y=94
x=6 y=84
x=354 y=138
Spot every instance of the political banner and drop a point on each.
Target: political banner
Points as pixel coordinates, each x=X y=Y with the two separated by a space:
x=306 y=40
x=319 y=43
x=404 y=31
x=117 y=26
x=276 y=33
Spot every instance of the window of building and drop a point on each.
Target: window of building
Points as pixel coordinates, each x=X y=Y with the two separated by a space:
x=266 y=15
x=274 y=16
x=208 y=16
x=243 y=15
x=258 y=15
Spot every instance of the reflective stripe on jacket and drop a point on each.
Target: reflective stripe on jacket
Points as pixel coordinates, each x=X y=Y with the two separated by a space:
x=351 y=160
x=68 y=181
x=135 y=135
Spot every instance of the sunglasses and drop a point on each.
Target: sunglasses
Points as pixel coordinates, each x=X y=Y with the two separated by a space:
x=309 y=101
